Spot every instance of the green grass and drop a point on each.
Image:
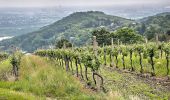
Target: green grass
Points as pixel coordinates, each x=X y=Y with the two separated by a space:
x=7 y=94
x=43 y=79
x=160 y=64
x=131 y=87
x=5 y=68
x=127 y=86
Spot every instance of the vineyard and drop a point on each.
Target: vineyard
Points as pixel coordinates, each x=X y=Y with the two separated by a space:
x=116 y=71
x=85 y=50
x=145 y=60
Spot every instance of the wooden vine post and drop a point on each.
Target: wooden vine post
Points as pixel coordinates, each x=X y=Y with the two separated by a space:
x=95 y=53
x=146 y=40
x=64 y=46
x=66 y=58
x=111 y=58
x=104 y=57
x=95 y=46
x=118 y=42
x=121 y=43
x=157 y=39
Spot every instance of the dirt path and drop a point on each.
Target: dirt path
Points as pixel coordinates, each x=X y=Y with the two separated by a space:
x=132 y=86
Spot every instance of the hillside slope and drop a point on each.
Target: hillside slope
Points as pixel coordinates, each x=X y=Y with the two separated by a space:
x=43 y=79
x=78 y=25
x=162 y=20
x=39 y=79
x=159 y=23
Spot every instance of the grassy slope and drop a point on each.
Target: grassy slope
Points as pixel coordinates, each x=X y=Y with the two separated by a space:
x=127 y=86
x=133 y=87
x=4 y=68
x=40 y=79
x=120 y=83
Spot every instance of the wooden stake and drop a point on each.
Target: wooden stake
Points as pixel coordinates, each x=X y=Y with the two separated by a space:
x=157 y=38
x=95 y=53
x=146 y=40
x=112 y=43
x=121 y=43
x=118 y=42
x=111 y=58
x=95 y=45
x=64 y=45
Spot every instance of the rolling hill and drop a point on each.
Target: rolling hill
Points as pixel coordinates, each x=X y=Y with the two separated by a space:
x=159 y=23
x=77 y=25
x=77 y=28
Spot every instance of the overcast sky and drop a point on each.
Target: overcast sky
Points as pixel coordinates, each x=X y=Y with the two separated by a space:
x=51 y=3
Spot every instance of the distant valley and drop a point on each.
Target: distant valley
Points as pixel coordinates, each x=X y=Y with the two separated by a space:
x=79 y=26
x=5 y=37
x=15 y=21
x=33 y=28
x=18 y=21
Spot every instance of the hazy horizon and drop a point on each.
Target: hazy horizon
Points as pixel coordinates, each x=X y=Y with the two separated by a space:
x=84 y=3
x=24 y=16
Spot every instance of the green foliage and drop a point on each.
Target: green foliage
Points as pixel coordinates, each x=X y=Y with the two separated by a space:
x=115 y=51
x=86 y=58
x=151 y=50
x=166 y=48
x=124 y=50
x=139 y=48
x=142 y=29
x=5 y=69
x=41 y=79
x=3 y=56
x=41 y=83
x=102 y=36
x=151 y=31
x=16 y=59
x=80 y=56
x=77 y=25
x=156 y=24
x=127 y=35
x=168 y=32
x=131 y=48
x=60 y=44
x=15 y=62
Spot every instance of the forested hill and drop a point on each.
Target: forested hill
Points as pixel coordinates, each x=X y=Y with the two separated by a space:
x=159 y=23
x=159 y=19
x=78 y=25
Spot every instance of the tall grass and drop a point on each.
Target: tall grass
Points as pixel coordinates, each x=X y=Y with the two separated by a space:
x=5 y=69
x=43 y=79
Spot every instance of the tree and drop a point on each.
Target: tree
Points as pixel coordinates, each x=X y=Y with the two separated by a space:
x=142 y=29
x=127 y=35
x=15 y=62
x=152 y=30
x=102 y=36
x=60 y=43
x=168 y=32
